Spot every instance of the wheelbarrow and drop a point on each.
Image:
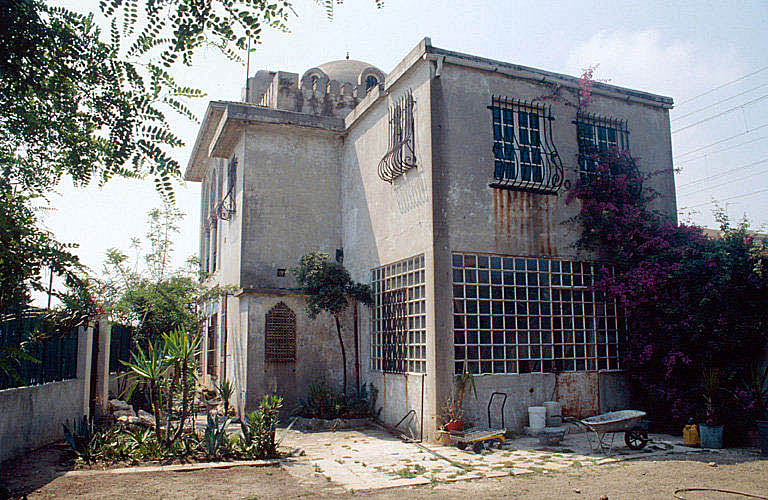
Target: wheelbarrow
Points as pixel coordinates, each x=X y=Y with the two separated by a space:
x=600 y=426
x=480 y=437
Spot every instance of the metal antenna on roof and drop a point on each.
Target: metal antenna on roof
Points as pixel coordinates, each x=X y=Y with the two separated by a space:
x=247 y=67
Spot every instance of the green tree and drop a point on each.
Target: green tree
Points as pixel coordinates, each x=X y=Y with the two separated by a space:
x=329 y=288
x=25 y=250
x=146 y=291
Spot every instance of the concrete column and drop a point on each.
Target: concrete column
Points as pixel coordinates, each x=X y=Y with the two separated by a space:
x=84 y=352
x=102 y=368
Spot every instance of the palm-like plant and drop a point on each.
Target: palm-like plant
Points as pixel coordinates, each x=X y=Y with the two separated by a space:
x=181 y=352
x=225 y=389
x=710 y=387
x=150 y=367
x=165 y=369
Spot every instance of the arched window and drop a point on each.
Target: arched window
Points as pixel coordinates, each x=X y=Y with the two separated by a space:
x=280 y=335
x=370 y=82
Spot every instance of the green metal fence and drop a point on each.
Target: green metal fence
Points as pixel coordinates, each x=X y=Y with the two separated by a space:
x=55 y=353
x=119 y=348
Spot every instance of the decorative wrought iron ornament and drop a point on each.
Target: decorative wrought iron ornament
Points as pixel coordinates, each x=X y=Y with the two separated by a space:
x=401 y=154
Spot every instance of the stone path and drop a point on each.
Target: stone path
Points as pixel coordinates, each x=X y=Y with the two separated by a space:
x=372 y=458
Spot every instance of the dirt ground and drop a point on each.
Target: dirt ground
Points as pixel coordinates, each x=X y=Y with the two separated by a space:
x=631 y=480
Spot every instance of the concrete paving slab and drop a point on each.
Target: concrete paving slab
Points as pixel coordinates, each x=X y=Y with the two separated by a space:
x=371 y=458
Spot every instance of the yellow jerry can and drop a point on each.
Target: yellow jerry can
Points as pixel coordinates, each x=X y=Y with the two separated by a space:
x=691 y=435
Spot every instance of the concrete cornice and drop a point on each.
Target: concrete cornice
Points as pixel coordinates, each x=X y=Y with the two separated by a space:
x=225 y=119
x=195 y=168
x=267 y=291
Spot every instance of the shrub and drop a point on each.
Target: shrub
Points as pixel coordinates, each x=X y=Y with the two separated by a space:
x=690 y=302
x=323 y=402
x=259 y=428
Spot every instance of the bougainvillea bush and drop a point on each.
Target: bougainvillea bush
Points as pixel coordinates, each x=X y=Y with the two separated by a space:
x=692 y=303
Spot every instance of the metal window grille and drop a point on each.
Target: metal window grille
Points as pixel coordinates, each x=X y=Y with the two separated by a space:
x=596 y=134
x=401 y=155
x=214 y=243
x=370 y=82
x=226 y=207
x=280 y=335
x=211 y=359
x=522 y=315
x=399 y=336
x=524 y=156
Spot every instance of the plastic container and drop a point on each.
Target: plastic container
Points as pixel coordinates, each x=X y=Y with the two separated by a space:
x=691 y=435
x=554 y=413
x=711 y=436
x=762 y=429
x=537 y=417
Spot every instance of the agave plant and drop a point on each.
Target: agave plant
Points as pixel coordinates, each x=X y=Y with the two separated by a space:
x=215 y=436
x=79 y=437
x=225 y=389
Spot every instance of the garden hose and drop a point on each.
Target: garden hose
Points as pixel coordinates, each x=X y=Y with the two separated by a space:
x=748 y=495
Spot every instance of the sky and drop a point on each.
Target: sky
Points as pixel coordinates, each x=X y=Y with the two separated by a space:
x=678 y=49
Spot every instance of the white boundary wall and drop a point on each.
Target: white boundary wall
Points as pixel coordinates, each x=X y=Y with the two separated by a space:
x=32 y=416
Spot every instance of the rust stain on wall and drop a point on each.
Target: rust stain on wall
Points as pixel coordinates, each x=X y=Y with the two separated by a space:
x=523 y=221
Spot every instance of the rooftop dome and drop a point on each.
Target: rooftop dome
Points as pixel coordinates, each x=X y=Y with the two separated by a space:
x=347 y=70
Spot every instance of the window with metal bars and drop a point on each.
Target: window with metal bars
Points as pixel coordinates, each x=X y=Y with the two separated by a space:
x=213 y=324
x=524 y=155
x=597 y=134
x=399 y=336
x=401 y=153
x=280 y=335
x=523 y=315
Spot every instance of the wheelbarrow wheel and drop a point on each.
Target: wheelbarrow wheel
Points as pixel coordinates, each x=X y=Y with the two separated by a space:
x=636 y=439
x=461 y=445
x=477 y=447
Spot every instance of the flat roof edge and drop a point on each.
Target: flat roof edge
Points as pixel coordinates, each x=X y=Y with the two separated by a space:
x=474 y=61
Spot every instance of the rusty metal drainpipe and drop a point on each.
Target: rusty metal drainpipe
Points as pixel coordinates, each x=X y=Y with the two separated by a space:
x=421 y=419
x=357 y=354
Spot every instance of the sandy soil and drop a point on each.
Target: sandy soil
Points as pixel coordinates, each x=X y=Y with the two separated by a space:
x=635 y=479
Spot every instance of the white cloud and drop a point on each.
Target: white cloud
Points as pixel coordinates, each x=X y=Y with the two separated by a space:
x=648 y=60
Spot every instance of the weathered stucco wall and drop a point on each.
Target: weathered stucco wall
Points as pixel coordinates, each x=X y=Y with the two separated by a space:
x=384 y=223
x=471 y=216
x=32 y=416
x=291 y=203
x=318 y=356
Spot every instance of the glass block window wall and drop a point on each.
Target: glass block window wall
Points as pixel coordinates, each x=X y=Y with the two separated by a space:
x=523 y=315
x=399 y=337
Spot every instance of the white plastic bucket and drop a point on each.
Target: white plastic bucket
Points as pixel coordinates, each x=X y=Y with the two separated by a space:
x=554 y=413
x=537 y=417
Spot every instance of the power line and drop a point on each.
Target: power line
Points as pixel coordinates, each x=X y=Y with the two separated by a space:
x=723 y=149
x=743 y=167
x=729 y=181
x=718 y=102
x=726 y=199
x=720 y=141
x=721 y=86
x=721 y=113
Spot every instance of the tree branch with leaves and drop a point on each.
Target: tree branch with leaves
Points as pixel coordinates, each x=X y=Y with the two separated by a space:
x=329 y=288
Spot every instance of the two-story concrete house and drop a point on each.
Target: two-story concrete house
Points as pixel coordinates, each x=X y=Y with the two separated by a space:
x=443 y=184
